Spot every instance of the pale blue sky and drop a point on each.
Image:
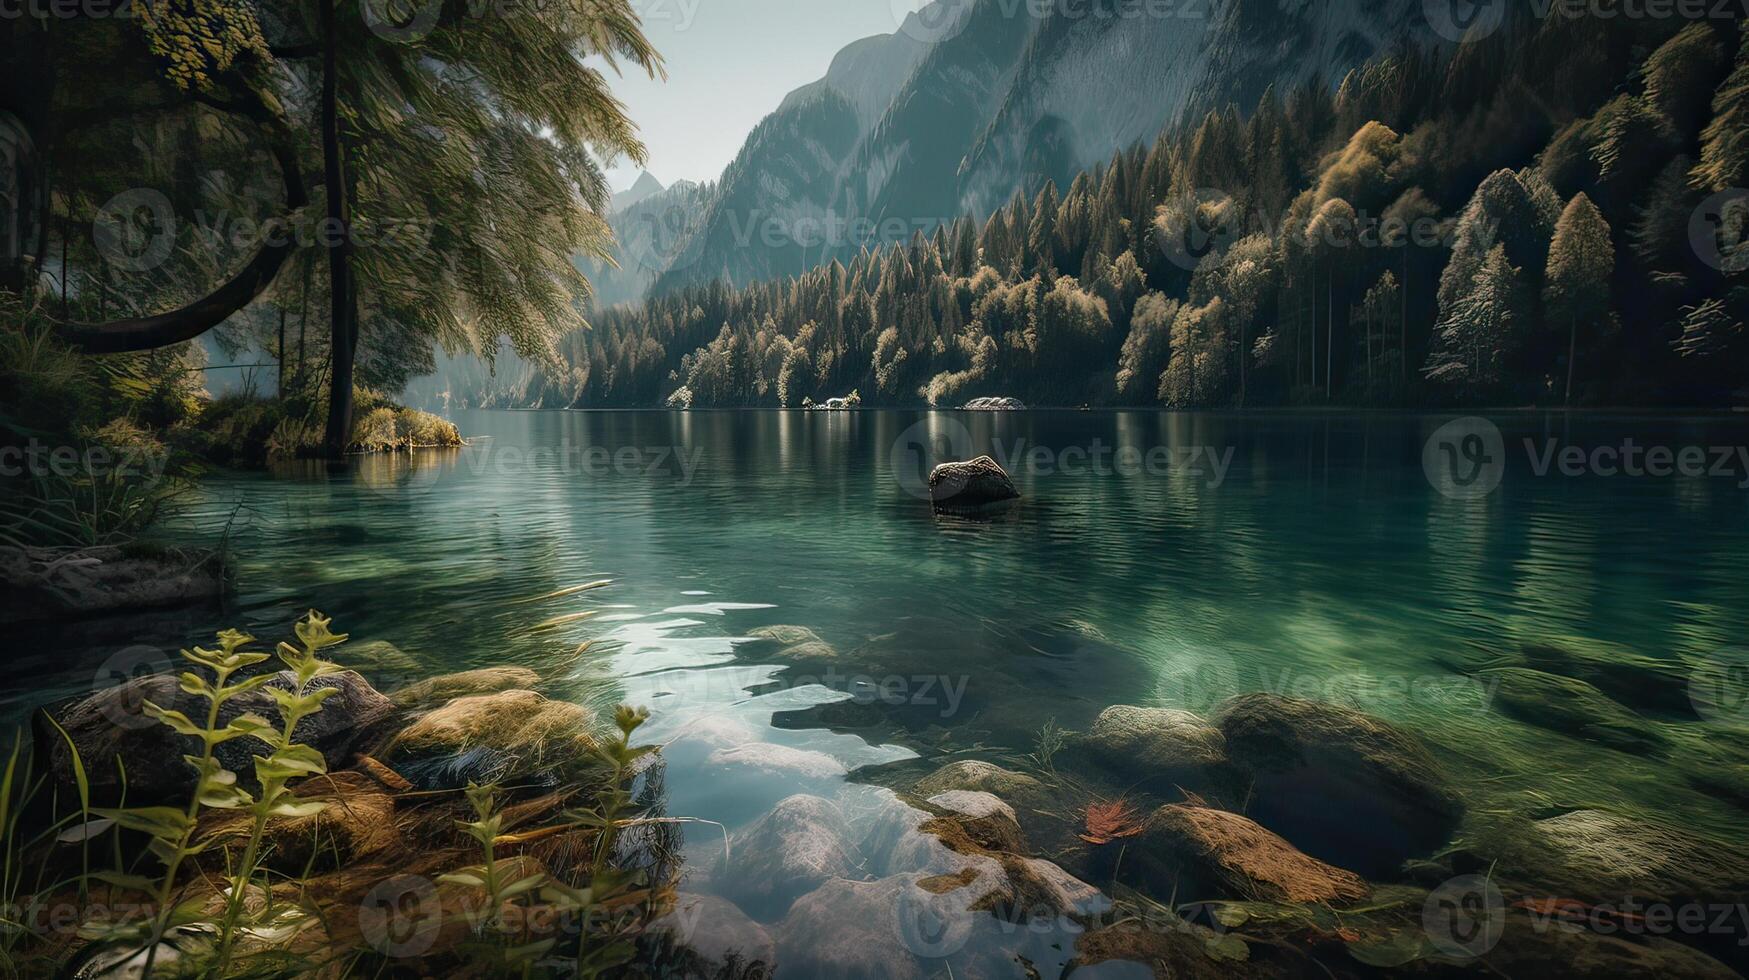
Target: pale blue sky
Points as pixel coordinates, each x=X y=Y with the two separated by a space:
x=730 y=62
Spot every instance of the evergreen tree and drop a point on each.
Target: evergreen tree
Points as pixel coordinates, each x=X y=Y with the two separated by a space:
x=1581 y=259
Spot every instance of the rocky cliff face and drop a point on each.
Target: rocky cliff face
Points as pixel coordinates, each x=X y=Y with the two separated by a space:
x=958 y=110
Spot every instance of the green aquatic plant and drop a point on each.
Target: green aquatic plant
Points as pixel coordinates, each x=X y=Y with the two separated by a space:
x=610 y=889
x=172 y=831
x=497 y=888
x=286 y=760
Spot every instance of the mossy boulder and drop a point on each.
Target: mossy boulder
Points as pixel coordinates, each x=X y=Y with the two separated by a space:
x=1631 y=678
x=491 y=737
x=986 y=818
x=447 y=687
x=1603 y=856
x=110 y=727
x=1200 y=853
x=378 y=658
x=1570 y=707
x=795 y=643
x=1158 y=750
x=1342 y=786
x=1036 y=806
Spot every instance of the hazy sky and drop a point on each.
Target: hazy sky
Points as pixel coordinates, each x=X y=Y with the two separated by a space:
x=730 y=62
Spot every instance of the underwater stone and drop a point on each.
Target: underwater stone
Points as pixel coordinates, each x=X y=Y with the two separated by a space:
x=1340 y=785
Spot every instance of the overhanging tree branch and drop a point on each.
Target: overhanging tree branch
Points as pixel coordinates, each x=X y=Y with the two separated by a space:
x=196 y=318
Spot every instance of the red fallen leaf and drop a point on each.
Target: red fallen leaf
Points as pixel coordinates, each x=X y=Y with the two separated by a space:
x=1107 y=822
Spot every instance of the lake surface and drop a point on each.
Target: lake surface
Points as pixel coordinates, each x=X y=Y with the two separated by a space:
x=1154 y=558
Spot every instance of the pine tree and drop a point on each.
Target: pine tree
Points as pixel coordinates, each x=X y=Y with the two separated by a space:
x=1581 y=259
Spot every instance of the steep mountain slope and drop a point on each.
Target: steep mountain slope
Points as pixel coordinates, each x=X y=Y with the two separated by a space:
x=1090 y=85
x=648 y=232
x=1005 y=100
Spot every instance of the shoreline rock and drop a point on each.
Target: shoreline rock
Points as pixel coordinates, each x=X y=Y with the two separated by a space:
x=48 y=584
x=110 y=725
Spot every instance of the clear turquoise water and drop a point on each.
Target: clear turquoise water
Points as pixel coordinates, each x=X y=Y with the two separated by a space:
x=1321 y=562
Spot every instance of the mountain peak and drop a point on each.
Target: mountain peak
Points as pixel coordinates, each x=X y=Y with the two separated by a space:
x=645 y=186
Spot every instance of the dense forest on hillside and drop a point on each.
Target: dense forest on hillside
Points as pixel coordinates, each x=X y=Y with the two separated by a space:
x=1547 y=215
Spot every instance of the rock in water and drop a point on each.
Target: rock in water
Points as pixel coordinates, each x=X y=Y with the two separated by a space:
x=1342 y=786
x=43 y=584
x=110 y=725
x=978 y=483
x=1159 y=749
x=1205 y=852
x=801 y=843
x=712 y=938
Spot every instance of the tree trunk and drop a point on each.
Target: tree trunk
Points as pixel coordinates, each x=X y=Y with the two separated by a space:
x=1573 y=350
x=343 y=325
x=1330 y=329
x=1403 y=322
x=303 y=324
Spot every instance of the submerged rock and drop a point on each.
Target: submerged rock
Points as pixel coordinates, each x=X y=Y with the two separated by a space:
x=110 y=727
x=1034 y=803
x=857 y=930
x=446 y=687
x=796 y=643
x=1168 y=950
x=801 y=843
x=710 y=937
x=1571 y=707
x=1158 y=749
x=47 y=584
x=782 y=759
x=986 y=819
x=973 y=484
x=1528 y=948
x=785 y=636
x=1603 y=856
x=1633 y=679
x=1342 y=786
x=1201 y=853
x=378 y=659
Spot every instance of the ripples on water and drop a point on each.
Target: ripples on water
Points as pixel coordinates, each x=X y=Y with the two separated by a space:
x=1323 y=563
